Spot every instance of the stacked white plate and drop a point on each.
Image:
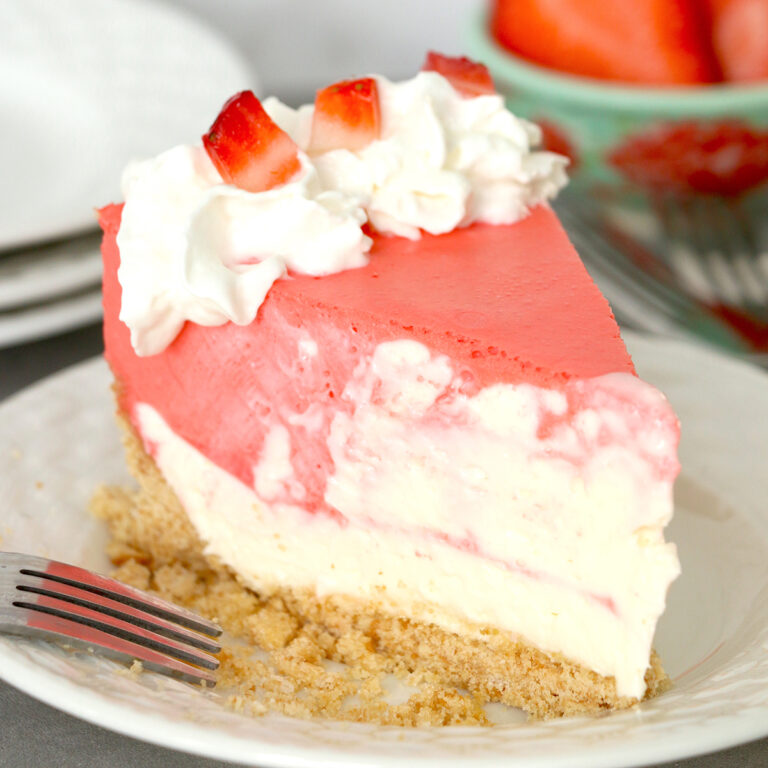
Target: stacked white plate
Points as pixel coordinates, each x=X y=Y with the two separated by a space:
x=86 y=86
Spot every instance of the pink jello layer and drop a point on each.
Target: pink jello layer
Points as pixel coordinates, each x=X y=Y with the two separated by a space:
x=507 y=304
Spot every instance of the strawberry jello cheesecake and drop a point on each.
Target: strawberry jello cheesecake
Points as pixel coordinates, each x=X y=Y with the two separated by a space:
x=368 y=385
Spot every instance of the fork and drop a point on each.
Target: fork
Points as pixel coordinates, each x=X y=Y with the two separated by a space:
x=641 y=297
x=55 y=601
x=715 y=250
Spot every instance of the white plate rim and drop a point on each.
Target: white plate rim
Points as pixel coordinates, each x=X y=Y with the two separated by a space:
x=99 y=710
x=192 y=739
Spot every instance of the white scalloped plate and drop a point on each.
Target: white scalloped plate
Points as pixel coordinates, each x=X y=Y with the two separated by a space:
x=85 y=87
x=58 y=443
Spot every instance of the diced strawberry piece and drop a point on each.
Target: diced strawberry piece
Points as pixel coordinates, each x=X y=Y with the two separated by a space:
x=725 y=158
x=248 y=149
x=662 y=42
x=740 y=38
x=346 y=116
x=469 y=78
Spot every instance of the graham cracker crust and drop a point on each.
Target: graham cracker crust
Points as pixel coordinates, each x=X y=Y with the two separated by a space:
x=283 y=643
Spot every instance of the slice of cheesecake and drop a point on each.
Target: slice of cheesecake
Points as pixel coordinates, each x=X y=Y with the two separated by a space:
x=450 y=437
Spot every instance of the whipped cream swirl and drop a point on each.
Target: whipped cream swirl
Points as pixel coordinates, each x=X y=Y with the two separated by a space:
x=443 y=160
x=194 y=248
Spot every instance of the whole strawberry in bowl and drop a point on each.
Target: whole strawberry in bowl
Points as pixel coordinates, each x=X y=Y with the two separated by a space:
x=648 y=92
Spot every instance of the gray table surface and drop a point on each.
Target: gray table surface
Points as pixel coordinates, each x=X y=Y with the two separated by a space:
x=33 y=734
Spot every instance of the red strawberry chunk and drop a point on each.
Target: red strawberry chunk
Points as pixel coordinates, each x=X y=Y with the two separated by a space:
x=347 y=116
x=725 y=158
x=248 y=149
x=469 y=78
x=661 y=42
x=740 y=38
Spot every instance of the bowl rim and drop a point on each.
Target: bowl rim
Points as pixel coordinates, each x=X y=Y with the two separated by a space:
x=693 y=99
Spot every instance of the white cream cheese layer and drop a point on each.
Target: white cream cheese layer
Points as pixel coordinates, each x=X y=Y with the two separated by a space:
x=194 y=248
x=535 y=511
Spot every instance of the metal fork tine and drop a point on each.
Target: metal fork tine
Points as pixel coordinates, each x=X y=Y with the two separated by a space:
x=116 y=610
x=683 y=260
x=753 y=212
x=45 y=625
x=745 y=240
x=703 y=230
x=714 y=245
x=80 y=578
x=42 y=598
x=730 y=249
x=125 y=630
x=746 y=225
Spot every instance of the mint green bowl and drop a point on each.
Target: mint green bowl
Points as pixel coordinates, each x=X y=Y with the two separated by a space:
x=597 y=116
